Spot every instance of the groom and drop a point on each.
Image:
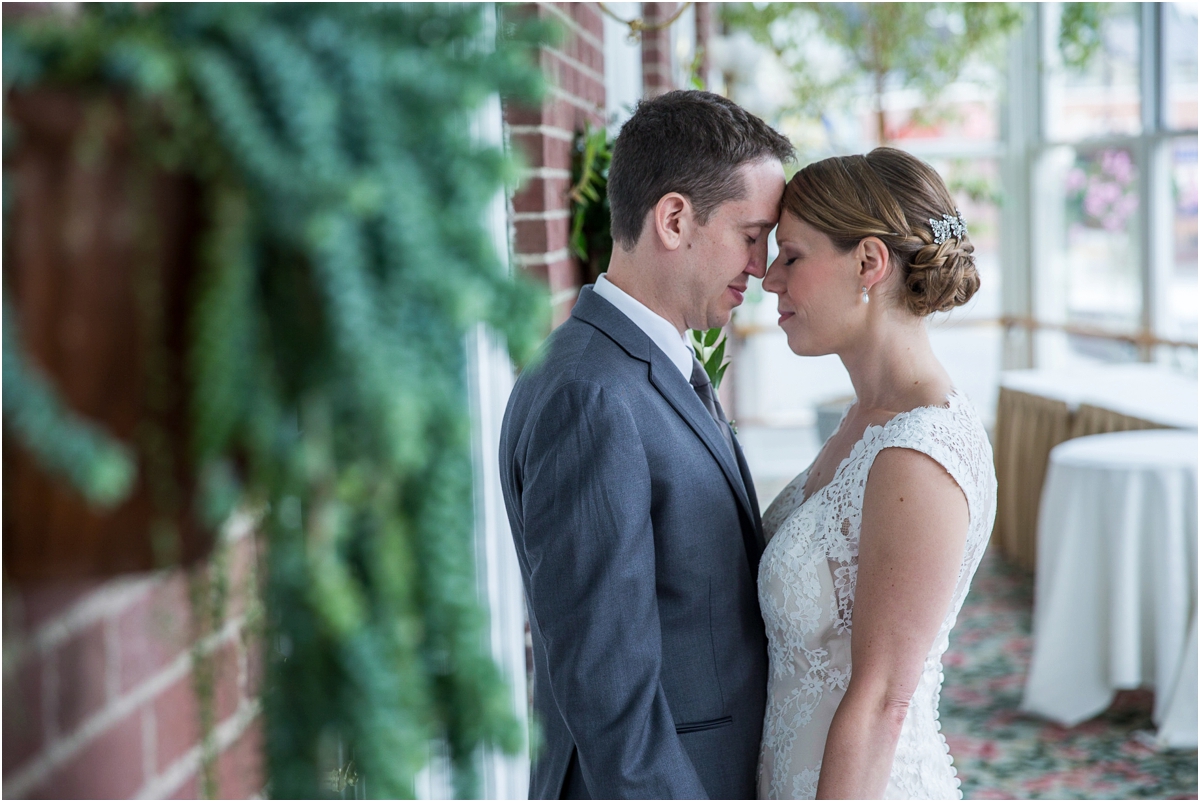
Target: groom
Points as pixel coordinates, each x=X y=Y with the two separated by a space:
x=634 y=516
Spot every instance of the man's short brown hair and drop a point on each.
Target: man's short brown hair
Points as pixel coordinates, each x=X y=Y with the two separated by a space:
x=689 y=142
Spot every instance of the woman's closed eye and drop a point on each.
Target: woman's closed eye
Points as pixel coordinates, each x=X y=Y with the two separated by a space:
x=788 y=255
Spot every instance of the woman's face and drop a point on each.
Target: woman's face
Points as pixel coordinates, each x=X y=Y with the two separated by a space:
x=820 y=298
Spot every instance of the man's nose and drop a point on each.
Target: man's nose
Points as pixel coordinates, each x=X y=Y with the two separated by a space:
x=771 y=279
x=758 y=261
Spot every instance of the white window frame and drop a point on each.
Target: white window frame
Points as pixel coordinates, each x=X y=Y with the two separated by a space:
x=1028 y=146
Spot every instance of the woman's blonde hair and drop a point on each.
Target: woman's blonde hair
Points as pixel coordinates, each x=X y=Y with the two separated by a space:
x=891 y=195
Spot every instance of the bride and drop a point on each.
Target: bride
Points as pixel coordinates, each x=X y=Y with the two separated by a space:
x=871 y=550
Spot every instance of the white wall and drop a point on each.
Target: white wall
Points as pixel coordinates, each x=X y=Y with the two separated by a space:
x=683 y=47
x=622 y=66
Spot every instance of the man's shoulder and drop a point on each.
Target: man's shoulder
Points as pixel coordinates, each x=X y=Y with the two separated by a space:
x=578 y=352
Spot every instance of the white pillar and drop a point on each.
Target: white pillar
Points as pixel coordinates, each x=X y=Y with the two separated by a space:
x=498 y=577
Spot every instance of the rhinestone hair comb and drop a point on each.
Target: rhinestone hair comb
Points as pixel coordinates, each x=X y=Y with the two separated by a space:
x=948 y=227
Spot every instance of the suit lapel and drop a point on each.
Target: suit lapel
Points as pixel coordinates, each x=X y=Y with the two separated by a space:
x=669 y=382
x=759 y=538
x=667 y=379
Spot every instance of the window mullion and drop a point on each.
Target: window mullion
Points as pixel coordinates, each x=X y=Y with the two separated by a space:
x=1022 y=132
x=1154 y=179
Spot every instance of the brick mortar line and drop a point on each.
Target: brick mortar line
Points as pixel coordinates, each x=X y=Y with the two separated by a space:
x=50 y=700
x=563 y=296
x=60 y=750
x=112 y=659
x=172 y=779
x=546 y=172
x=576 y=101
x=544 y=130
x=95 y=608
x=584 y=34
x=553 y=214
x=114 y=599
x=538 y=259
x=149 y=742
x=584 y=69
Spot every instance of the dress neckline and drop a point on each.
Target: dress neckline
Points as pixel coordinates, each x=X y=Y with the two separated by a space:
x=952 y=398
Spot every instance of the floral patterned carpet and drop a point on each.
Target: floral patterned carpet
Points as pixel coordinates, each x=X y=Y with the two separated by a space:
x=1001 y=753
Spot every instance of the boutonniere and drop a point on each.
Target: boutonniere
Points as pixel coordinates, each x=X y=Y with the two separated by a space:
x=709 y=347
x=710 y=350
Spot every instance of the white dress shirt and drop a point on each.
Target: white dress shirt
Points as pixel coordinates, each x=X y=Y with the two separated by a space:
x=657 y=327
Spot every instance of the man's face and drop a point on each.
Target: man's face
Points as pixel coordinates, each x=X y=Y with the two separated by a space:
x=722 y=255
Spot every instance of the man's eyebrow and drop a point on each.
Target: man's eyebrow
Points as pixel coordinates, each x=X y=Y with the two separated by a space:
x=759 y=224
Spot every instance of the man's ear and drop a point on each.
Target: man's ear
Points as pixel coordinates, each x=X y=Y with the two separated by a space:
x=874 y=261
x=672 y=214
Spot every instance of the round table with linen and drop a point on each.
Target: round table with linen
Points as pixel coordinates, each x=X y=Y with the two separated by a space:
x=1115 y=593
x=1038 y=409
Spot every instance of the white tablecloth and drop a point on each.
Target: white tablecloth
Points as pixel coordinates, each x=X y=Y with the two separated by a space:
x=1150 y=392
x=1115 y=595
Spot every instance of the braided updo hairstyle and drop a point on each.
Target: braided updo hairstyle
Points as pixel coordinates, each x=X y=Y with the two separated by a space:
x=891 y=195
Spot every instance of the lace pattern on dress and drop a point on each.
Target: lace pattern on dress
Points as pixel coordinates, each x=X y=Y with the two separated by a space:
x=807 y=580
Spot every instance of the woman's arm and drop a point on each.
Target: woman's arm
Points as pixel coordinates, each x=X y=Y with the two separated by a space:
x=914 y=529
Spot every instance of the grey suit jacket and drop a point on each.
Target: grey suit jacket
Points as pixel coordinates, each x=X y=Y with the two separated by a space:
x=638 y=535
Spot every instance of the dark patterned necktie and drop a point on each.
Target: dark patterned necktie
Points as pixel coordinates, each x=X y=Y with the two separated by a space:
x=704 y=389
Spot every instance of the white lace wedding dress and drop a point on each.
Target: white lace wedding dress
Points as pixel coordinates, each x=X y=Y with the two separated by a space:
x=806 y=584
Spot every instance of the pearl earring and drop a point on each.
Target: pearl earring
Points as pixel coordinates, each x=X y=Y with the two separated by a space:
x=866 y=298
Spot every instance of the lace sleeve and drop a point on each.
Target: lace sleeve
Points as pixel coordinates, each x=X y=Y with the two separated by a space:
x=956 y=439
x=955 y=442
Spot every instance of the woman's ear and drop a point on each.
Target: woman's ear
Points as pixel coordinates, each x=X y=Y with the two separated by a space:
x=671 y=216
x=874 y=260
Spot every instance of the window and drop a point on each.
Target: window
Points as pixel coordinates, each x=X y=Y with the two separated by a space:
x=1111 y=172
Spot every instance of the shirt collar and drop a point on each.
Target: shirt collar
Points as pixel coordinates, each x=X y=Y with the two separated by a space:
x=657 y=328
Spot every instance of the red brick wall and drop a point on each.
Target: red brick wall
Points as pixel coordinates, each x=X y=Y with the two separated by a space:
x=544 y=136
x=98 y=696
x=656 y=50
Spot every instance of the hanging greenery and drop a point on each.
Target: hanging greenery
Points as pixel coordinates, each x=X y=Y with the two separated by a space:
x=63 y=443
x=343 y=263
x=591 y=226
